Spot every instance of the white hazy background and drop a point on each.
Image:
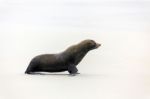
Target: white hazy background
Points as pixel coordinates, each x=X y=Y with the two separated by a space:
x=119 y=69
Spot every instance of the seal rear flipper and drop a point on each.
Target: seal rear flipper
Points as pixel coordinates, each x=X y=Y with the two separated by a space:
x=31 y=68
x=28 y=71
x=34 y=73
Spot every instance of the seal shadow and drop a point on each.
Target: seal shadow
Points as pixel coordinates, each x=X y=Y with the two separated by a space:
x=53 y=74
x=84 y=75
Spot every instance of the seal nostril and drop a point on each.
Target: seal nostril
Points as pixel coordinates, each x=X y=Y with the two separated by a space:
x=98 y=45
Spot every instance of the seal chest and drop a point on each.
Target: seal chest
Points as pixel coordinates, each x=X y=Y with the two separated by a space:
x=65 y=61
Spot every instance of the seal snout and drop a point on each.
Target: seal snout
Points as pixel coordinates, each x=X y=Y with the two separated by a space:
x=98 y=45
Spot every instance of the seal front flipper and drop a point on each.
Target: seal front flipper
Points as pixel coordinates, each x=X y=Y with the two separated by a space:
x=74 y=74
x=72 y=70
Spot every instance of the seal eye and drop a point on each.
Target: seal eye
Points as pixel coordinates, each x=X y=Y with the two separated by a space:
x=91 y=44
x=94 y=44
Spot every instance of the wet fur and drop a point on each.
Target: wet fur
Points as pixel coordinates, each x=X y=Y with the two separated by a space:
x=65 y=61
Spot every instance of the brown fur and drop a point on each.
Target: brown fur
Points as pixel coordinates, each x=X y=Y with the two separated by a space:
x=65 y=61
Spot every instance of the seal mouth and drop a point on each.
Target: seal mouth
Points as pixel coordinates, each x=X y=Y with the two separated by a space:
x=97 y=45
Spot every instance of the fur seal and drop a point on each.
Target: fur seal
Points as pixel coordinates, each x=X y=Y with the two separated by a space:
x=65 y=61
